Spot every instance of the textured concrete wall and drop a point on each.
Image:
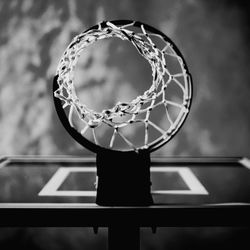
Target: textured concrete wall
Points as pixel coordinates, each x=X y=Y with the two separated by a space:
x=212 y=36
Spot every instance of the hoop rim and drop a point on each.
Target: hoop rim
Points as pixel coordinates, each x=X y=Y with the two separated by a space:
x=97 y=148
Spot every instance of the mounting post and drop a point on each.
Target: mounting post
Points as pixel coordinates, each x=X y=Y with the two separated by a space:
x=124 y=238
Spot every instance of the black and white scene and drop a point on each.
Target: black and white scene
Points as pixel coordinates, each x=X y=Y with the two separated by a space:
x=124 y=124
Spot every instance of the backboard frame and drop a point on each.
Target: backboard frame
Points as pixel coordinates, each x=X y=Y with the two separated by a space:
x=160 y=215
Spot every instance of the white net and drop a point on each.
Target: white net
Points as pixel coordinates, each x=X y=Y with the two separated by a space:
x=139 y=110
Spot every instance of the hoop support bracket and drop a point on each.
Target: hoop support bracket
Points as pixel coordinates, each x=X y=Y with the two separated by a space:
x=123 y=178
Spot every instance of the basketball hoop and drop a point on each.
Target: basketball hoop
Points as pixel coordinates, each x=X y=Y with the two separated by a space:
x=163 y=78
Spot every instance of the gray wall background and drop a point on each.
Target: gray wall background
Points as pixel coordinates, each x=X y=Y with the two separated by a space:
x=212 y=35
x=214 y=39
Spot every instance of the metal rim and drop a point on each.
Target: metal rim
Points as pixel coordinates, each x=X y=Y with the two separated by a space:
x=87 y=143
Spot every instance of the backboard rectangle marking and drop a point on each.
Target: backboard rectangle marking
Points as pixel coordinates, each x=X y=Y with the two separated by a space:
x=52 y=187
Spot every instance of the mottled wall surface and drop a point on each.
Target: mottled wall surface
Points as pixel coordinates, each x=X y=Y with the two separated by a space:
x=213 y=37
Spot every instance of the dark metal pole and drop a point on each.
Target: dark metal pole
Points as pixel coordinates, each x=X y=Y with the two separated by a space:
x=124 y=238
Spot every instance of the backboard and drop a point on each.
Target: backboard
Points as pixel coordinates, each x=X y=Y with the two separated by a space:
x=60 y=191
